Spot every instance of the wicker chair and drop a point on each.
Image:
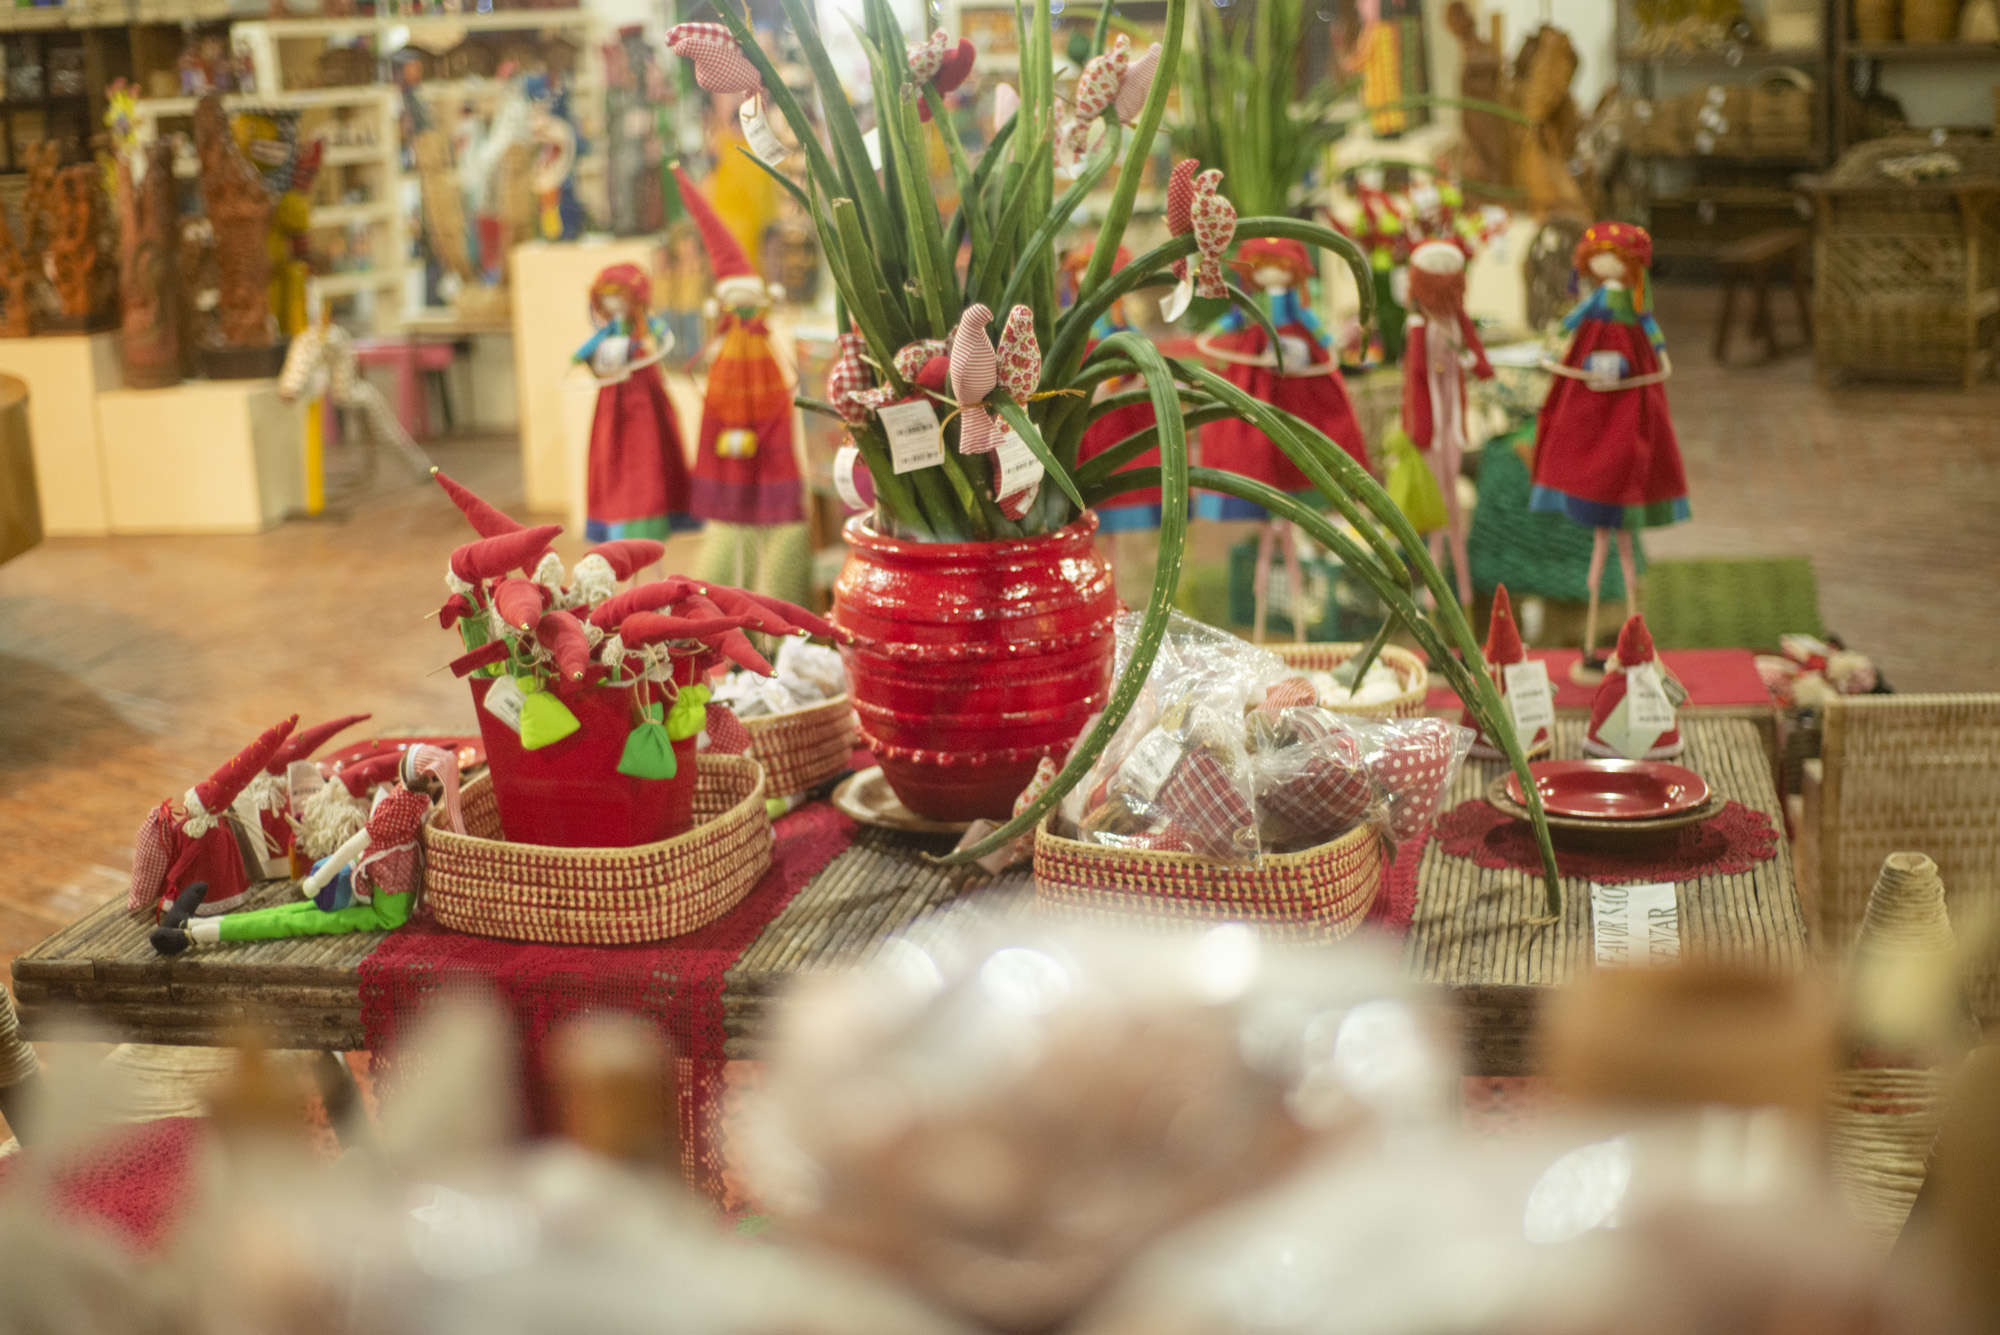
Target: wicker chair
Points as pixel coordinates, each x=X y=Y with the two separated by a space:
x=1899 y=772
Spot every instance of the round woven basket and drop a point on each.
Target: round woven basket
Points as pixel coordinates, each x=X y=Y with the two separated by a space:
x=1326 y=657
x=1321 y=894
x=477 y=882
x=803 y=747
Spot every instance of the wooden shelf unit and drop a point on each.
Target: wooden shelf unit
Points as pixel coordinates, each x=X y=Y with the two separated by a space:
x=1850 y=51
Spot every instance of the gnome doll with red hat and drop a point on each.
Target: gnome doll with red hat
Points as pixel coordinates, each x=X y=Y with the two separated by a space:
x=369 y=883
x=1503 y=650
x=266 y=806
x=746 y=475
x=189 y=857
x=1441 y=347
x=637 y=482
x=1605 y=451
x=1300 y=376
x=1632 y=714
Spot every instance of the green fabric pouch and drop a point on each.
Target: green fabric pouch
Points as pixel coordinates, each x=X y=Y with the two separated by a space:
x=545 y=720
x=690 y=712
x=649 y=751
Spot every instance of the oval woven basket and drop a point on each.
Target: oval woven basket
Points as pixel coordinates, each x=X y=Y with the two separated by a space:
x=478 y=882
x=803 y=747
x=1326 y=657
x=1321 y=894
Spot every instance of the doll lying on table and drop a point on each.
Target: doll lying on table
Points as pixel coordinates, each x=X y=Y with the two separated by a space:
x=369 y=883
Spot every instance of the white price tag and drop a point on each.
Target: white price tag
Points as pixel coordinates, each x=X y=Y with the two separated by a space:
x=1174 y=305
x=764 y=141
x=1635 y=924
x=872 y=141
x=915 y=438
x=1151 y=763
x=1019 y=468
x=504 y=700
x=1647 y=706
x=1530 y=698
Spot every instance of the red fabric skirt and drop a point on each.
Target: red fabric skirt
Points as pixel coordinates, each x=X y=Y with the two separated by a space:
x=1107 y=431
x=1320 y=400
x=1615 y=448
x=638 y=468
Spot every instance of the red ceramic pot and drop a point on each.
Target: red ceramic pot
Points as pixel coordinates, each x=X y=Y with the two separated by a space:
x=969 y=662
x=570 y=793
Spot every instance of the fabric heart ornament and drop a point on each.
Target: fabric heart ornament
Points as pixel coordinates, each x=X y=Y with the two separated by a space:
x=649 y=752
x=1137 y=84
x=1096 y=90
x=1329 y=789
x=974 y=373
x=1413 y=767
x=719 y=64
x=726 y=734
x=848 y=378
x=1020 y=360
x=545 y=720
x=1214 y=222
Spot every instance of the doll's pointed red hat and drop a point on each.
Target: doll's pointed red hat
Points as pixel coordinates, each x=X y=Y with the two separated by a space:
x=219 y=789
x=1635 y=642
x=725 y=256
x=301 y=744
x=1503 y=637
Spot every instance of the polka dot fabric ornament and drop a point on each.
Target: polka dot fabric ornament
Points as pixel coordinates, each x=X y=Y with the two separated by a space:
x=1414 y=764
x=726 y=734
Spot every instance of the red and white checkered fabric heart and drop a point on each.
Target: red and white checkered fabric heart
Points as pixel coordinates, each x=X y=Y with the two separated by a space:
x=974 y=364
x=911 y=357
x=1333 y=790
x=1205 y=798
x=848 y=377
x=152 y=857
x=1290 y=693
x=1020 y=359
x=1412 y=768
x=719 y=64
x=927 y=57
x=1096 y=89
x=726 y=734
x=1214 y=221
x=391 y=863
x=1180 y=205
x=1138 y=82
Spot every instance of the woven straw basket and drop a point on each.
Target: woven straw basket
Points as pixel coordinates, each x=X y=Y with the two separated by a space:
x=803 y=747
x=477 y=882
x=1319 y=895
x=1326 y=657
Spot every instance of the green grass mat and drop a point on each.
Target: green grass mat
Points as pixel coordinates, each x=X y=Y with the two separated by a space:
x=1731 y=603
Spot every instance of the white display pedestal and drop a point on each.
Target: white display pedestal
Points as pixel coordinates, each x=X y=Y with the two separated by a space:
x=550 y=283
x=206 y=456
x=64 y=374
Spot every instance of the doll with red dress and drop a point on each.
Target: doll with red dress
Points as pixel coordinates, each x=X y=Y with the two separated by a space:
x=1605 y=452
x=746 y=474
x=1301 y=376
x=637 y=483
x=1441 y=347
x=1135 y=510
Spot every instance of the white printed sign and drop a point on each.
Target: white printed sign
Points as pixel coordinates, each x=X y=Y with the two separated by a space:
x=1019 y=468
x=1635 y=924
x=1649 y=706
x=764 y=141
x=915 y=438
x=1530 y=698
x=504 y=701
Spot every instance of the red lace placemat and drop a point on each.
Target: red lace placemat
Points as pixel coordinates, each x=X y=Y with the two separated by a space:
x=138 y=1183
x=1724 y=845
x=1396 y=902
x=676 y=984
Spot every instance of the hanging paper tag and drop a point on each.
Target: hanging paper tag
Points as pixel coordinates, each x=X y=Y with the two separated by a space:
x=1649 y=706
x=1530 y=698
x=872 y=141
x=505 y=700
x=915 y=438
x=1635 y=924
x=852 y=479
x=1019 y=468
x=764 y=141
x=1149 y=765
x=1175 y=303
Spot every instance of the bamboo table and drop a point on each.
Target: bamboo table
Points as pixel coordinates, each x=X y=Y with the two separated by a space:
x=1467 y=937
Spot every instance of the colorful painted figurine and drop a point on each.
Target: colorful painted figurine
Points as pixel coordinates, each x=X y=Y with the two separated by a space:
x=638 y=479
x=1300 y=376
x=1605 y=453
x=1441 y=347
x=746 y=473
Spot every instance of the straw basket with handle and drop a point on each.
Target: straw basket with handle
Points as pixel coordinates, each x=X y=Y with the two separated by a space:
x=478 y=882
x=1415 y=676
x=801 y=748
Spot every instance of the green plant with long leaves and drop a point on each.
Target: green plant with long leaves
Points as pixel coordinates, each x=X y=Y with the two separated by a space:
x=894 y=260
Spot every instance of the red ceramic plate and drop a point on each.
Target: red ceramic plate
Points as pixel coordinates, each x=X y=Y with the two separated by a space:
x=1612 y=789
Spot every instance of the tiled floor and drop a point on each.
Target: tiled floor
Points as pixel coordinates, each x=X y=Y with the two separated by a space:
x=128 y=667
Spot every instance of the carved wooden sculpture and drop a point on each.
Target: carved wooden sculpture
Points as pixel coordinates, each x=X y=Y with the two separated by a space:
x=239 y=209
x=77 y=217
x=148 y=271
x=15 y=276
x=1486 y=146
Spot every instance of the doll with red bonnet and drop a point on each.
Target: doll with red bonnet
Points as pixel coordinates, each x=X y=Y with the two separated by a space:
x=637 y=482
x=1605 y=451
x=1442 y=347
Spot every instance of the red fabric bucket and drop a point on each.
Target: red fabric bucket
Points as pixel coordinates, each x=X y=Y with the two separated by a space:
x=570 y=793
x=969 y=662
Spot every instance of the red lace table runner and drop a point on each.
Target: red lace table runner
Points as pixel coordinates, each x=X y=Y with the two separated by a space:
x=1724 y=845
